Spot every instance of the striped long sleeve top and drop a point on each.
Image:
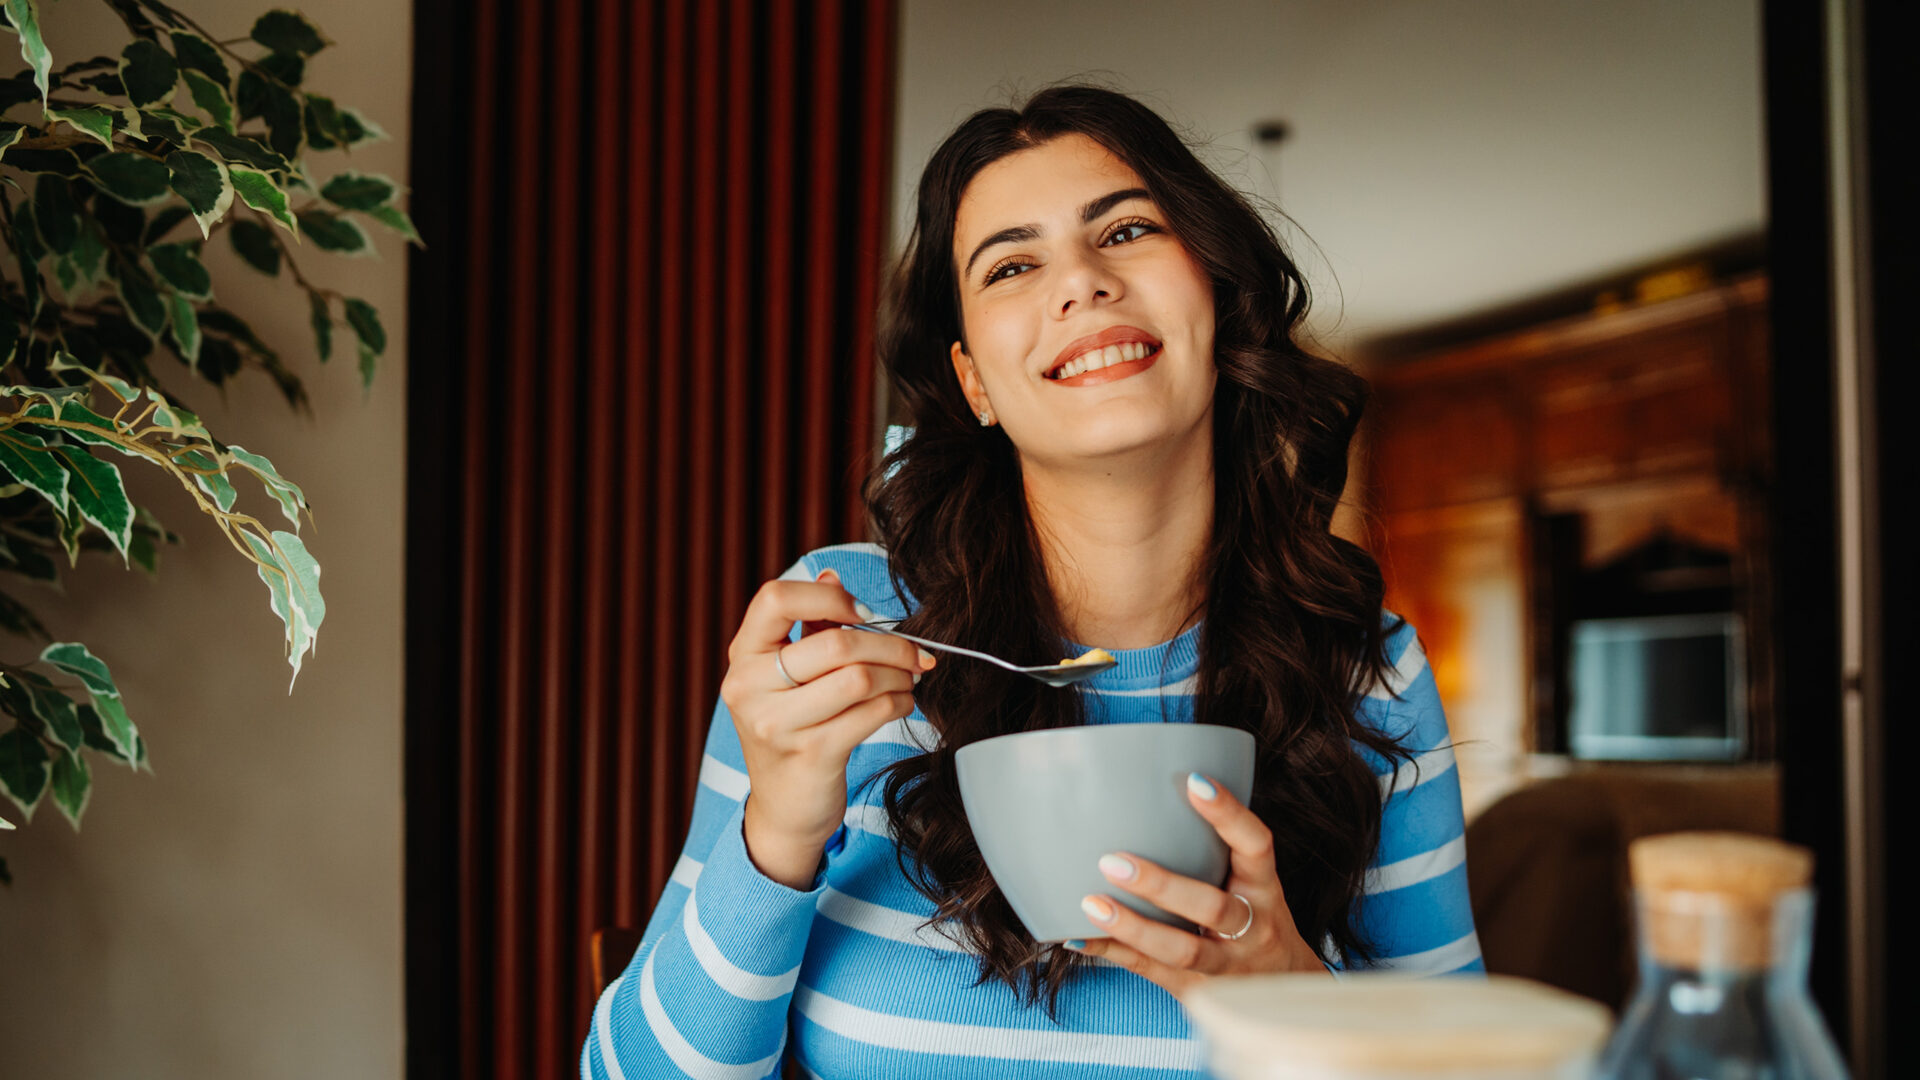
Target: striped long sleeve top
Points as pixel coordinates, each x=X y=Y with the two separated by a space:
x=735 y=971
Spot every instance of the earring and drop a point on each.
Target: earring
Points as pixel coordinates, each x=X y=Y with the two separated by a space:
x=985 y=418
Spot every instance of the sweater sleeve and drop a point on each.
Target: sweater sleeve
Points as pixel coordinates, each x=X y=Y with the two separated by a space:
x=707 y=993
x=1414 y=908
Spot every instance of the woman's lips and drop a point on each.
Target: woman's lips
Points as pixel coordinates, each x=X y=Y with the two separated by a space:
x=1111 y=372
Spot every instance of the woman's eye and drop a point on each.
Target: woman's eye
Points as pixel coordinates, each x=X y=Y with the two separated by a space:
x=998 y=272
x=1141 y=225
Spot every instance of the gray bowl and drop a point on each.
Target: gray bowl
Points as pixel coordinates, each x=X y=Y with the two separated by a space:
x=1045 y=805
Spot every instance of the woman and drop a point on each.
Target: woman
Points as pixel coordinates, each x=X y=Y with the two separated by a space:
x=1117 y=443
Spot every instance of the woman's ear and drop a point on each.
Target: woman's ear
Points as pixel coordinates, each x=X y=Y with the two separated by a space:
x=969 y=379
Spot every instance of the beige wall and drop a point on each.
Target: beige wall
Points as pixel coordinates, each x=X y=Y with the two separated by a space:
x=238 y=913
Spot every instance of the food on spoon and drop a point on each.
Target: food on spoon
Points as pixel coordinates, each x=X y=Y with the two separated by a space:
x=1091 y=656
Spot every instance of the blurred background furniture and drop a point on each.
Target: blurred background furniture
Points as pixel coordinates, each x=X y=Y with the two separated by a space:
x=1547 y=863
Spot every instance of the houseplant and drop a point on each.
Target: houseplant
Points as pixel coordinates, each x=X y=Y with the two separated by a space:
x=114 y=172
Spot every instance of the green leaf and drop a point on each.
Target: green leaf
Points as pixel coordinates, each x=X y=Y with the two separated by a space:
x=115 y=729
x=10 y=133
x=55 y=710
x=25 y=17
x=244 y=150
x=72 y=786
x=396 y=219
x=92 y=119
x=98 y=490
x=73 y=411
x=186 y=328
x=288 y=31
x=366 y=323
x=26 y=458
x=213 y=482
x=95 y=728
x=132 y=178
x=253 y=242
x=23 y=764
x=359 y=191
x=322 y=323
x=142 y=300
x=257 y=190
x=288 y=68
x=180 y=267
x=89 y=249
x=148 y=72
x=295 y=591
x=277 y=105
x=325 y=126
x=55 y=213
x=334 y=232
x=203 y=182
x=359 y=129
x=284 y=491
x=210 y=96
x=76 y=659
x=196 y=53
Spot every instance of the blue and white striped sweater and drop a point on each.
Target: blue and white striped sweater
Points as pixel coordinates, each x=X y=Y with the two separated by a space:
x=736 y=971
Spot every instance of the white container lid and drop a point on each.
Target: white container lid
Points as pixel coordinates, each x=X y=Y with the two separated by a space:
x=1269 y=1027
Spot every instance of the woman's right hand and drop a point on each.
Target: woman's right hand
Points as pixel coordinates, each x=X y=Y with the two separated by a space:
x=797 y=739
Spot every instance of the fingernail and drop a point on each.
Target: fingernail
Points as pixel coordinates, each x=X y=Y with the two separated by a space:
x=1076 y=944
x=862 y=610
x=828 y=575
x=916 y=678
x=1118 y=867
x=926 y=659
x=1200 y=787
x=1098 y=909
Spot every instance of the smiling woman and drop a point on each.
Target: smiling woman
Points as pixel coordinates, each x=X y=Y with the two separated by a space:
x=1118 y=444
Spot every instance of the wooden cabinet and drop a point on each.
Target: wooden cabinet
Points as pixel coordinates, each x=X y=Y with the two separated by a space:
x=1649 y=418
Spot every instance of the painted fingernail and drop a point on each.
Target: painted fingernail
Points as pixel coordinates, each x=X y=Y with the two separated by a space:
x=1098 y=909
x=916 y=678
x=1200 y=787
x=862 y=610
x=926 y=659
x=1118 y=867
x=1076 y=944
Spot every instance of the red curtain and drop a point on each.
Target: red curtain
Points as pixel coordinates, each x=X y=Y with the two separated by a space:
x=662 y=394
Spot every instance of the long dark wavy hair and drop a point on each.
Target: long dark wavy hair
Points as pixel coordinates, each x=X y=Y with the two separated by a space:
x=1292 y=631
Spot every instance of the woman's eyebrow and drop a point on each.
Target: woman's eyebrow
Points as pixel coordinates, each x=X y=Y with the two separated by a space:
x=1088 y=213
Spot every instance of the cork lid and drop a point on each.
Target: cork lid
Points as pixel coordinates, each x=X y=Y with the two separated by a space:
x=1738 y=865
x=1710 y=900
x=1396 y=1024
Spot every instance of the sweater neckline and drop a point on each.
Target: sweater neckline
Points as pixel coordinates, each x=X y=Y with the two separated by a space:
x=1149 y=666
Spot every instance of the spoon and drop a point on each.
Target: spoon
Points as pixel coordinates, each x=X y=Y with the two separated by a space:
x=1051 y=674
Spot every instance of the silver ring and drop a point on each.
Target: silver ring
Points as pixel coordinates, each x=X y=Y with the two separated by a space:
x=1242 y=932
x=782 y=668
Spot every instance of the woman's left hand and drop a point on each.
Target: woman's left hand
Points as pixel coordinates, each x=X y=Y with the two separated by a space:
x=1177 y=960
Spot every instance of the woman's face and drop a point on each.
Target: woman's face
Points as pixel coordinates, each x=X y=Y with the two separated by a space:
x=1059 y=249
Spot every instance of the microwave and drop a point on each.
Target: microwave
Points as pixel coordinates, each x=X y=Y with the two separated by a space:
x=1657 y=688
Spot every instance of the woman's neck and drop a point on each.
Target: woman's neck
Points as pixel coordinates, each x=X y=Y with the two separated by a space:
x=1124 y=546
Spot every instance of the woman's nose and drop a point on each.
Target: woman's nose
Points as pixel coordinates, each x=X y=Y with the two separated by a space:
x=1082 y=279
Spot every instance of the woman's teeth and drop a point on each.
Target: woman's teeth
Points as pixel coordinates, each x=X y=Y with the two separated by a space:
x=1099 y=358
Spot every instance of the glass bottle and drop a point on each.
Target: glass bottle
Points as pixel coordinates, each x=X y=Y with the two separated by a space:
x=1725 y=929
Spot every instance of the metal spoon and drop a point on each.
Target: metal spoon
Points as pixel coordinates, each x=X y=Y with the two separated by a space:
x=1051 y=674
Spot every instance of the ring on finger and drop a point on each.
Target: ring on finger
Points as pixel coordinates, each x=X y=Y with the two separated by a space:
x=782 y=668
x=1242 y=932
